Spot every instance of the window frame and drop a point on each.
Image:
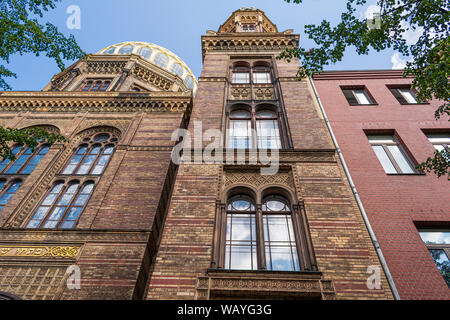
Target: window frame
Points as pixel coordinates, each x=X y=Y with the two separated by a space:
x=37 y=150
x=89 y=84
x=436 y=246
x=91 y=144
x=5 y=188
x=254 y=121
x=303 y=244
x=347 y=90
x=65 y=186
x=399 y=96
x=385 y=146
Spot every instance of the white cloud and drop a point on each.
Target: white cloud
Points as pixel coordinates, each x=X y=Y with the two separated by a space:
x=398 y=62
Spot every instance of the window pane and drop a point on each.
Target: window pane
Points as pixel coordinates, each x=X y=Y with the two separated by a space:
x=240 y=247
x=261 y=77
x=161 y=60
x=384 y=159
x=240 y=134
x=268 y=134
x=442 y=262
x=280 y=246
x=408 y=95
x=401 y=160
x=435 y=237
x=361 y=97
x=241 y=77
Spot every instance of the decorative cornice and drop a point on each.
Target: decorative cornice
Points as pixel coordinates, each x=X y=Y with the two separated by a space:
x=244 y=42
x=359 y=74
x=95 y=102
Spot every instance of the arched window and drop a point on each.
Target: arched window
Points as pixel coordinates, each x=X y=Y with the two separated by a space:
x=240 y=246
x=92 y=156
x=240 y=130
x=62 y=206
x=279 y=240
x=26 y=160
x=271 y=235
x=7 y=192
x=267 y=130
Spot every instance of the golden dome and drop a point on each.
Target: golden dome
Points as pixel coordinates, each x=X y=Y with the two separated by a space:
x=158 y=56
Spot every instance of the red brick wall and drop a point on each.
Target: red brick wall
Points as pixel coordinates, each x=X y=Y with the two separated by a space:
x=394 y=203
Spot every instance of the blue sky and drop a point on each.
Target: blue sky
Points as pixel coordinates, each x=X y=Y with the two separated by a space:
x=177 y=25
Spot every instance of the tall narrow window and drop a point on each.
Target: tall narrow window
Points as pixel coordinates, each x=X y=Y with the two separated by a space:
x=240 y=132
x=279 y=241
x=241 y=75
x=390 y=154
x=7 y=194
x=267 y=130
x=92 y=156
x=240 y=246
x=261 y=75
x=404 y=95
x=62 y=206
x=438 y=244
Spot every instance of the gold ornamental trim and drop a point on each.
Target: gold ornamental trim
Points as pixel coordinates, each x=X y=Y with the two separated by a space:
x=39 y=251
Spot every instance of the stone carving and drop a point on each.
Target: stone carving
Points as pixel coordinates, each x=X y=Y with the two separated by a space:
x=109 y=67
x=151 y=78
x=39 y=251
x=257 y=180
x=240 y=93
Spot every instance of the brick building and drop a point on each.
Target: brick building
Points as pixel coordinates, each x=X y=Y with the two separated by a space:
x=138 y=225
x=384 y=133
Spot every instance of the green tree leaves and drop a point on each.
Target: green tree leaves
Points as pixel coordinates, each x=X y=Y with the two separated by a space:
x=21 y=32
x=429 y=55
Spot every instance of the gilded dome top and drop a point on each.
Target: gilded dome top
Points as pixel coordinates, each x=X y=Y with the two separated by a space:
x=158 y=56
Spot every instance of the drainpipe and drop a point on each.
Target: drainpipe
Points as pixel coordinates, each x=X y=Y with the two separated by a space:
x=358 y=200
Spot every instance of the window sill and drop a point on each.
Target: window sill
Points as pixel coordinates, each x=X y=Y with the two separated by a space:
x=364 y=105
x=407 y=174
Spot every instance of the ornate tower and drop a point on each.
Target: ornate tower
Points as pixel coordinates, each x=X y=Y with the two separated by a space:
x=234 y=231
x=92 y=208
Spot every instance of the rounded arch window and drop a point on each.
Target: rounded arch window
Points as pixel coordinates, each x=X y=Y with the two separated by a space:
x=240 y=130
x=126 y=49
x=145 y=52
x=240 y=114
x=92 y=156
x=240 y=241
x=161 y=60
x=267 y=130
x=241 y=73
